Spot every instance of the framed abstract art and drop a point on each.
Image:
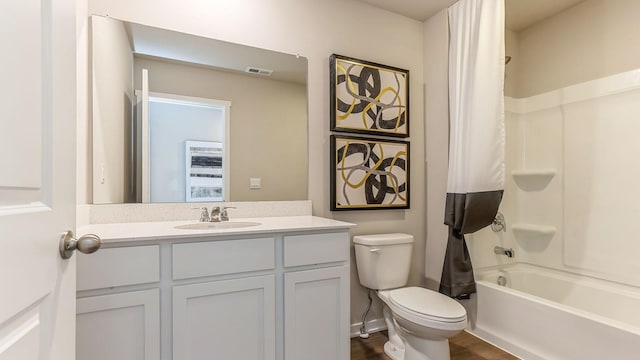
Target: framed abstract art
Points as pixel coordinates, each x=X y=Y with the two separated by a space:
x=368 y=98
x=369 y=174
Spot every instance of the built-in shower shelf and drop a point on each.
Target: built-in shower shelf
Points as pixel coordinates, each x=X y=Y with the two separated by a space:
x=533 y=230
x=533 y=179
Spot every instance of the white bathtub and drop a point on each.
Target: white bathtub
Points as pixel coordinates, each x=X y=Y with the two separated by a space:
x=547 y=314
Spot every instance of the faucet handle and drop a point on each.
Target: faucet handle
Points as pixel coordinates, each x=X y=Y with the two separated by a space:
x=499 y=223
x=204 y=215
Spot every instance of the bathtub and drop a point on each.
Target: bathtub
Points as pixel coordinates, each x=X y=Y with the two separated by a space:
x=546 y=314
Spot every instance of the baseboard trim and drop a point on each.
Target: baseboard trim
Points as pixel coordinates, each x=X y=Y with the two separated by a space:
x=372 y=326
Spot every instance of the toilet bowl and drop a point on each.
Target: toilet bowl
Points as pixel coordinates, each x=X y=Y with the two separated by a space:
x=424 y=320
x=419 y=321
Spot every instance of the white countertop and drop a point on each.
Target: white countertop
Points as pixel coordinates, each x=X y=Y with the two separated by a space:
x=157 y=230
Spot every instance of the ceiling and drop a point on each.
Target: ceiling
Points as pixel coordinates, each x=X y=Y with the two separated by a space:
x=520 y=14
x=154 y=42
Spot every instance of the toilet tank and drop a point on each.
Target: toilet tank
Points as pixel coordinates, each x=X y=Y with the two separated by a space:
x=383 y=260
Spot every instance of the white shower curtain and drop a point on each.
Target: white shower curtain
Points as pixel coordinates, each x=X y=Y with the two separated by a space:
x=477 y=136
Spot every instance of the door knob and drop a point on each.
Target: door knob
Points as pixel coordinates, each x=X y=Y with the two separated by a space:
x=86 y=244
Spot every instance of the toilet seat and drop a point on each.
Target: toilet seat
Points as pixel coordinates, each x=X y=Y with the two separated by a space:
x=426 y=308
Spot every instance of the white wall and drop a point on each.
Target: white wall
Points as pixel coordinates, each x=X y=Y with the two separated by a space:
x=112 y=101
x=511 y=69
x=588 y=41
x=436 y=80
x=315 y=29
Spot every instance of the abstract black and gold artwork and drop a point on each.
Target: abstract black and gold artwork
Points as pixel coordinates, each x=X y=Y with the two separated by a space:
x=369 y=174
x=368 y=98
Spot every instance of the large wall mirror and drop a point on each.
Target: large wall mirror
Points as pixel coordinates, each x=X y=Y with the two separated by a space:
x=182 y=118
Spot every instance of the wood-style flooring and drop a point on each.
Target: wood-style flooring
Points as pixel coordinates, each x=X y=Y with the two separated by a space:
x=463 y=346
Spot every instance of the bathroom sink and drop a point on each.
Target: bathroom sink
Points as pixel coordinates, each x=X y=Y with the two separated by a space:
x=217 y=225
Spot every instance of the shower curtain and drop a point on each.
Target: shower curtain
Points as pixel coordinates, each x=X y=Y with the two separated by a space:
x=476 y=132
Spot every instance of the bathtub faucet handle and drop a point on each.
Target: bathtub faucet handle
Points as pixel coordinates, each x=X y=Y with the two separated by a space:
x=499 y=223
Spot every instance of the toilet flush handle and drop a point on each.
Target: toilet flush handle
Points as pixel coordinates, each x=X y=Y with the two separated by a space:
x=374 y=250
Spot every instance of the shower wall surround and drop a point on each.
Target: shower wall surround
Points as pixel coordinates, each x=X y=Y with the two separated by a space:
x=574 y=157
x=570 y=117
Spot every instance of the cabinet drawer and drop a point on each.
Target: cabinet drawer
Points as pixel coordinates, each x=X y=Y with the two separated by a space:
x=119 y=266
x=315 y=249
x=222 y=257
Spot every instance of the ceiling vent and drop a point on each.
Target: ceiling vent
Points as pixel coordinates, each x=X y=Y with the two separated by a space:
x=255 y=70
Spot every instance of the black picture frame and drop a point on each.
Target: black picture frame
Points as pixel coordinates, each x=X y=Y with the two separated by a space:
x=369 y=173
x=381 y=104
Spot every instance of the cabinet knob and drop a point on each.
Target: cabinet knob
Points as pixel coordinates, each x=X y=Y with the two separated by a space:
x=86 y=244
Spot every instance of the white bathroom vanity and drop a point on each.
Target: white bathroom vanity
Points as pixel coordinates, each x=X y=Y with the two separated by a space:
x=276 y=290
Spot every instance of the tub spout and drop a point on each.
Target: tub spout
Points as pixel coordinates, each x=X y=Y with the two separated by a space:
x=499 y=250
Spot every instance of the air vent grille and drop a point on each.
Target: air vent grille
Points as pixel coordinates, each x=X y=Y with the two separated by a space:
x=255 y=70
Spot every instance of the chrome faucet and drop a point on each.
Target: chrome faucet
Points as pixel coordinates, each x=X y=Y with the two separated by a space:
x=499 y=250
x=204 y=215
x=215 y=214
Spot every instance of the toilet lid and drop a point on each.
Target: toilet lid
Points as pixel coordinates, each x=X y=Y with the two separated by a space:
x=428 y=303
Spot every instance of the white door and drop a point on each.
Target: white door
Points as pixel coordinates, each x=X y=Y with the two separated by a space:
x=37 y=178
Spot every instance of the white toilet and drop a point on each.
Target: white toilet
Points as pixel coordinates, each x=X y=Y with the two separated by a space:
x=419 y=321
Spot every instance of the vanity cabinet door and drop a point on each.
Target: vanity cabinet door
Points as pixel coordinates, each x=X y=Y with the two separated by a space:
x=316 y=314
x=123 y=326
x=226 y=319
